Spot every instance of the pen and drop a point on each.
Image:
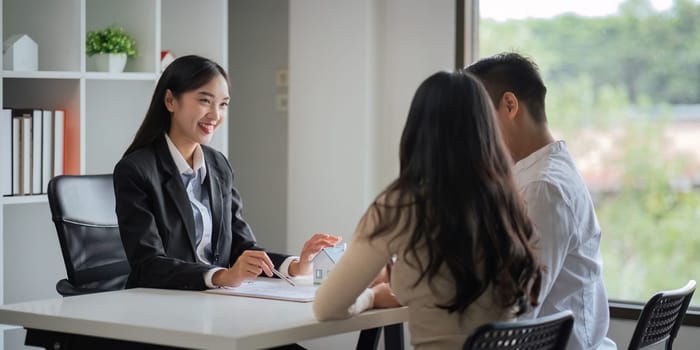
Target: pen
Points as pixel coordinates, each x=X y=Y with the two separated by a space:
x=282 y=276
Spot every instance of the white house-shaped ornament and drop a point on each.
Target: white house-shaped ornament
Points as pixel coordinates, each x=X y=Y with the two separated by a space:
x=20 y=53
x=325 y=261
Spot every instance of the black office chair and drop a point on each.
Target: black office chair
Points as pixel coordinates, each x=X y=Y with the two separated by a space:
x=662 y=317
x=545 y=333
x=83 y=210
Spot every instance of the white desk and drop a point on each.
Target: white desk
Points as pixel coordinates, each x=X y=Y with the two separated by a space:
x=187 y=319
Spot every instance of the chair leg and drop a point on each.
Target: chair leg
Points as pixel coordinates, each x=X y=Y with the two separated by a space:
x=369 y=339
x=393 y=337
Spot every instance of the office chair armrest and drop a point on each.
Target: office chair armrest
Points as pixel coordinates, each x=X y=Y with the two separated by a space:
x=67 y=289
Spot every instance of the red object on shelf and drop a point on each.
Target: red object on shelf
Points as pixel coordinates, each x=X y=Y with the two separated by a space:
x=166 y=56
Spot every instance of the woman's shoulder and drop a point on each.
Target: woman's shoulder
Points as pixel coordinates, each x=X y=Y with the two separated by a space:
x=141 y=155
x=218 y=159
x=395 y=198
x=136 y=161
x=213 y=153
x=391 y=212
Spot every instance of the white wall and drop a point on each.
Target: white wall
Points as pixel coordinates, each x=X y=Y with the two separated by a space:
x=353 y=68
x=258 y=47
x=331 y=59
x=417 y=38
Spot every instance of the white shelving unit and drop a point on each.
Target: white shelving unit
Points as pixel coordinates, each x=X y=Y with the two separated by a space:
x=104 y=108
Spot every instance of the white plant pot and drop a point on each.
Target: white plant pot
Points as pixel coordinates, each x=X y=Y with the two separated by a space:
x=110 y=62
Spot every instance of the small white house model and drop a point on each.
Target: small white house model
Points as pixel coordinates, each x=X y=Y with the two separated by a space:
x=325 y=261
x=20 y=53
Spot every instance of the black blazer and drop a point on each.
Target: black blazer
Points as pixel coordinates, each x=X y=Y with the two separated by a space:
x=156 y=222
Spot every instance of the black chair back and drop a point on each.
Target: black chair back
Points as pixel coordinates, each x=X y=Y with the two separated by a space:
x=83 y=210
x=545 y=333
x=662 y=317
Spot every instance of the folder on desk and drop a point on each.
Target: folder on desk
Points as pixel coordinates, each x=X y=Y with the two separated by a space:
x=270 y=288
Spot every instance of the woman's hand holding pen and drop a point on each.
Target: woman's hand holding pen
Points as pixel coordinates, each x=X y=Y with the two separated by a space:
x=248 y=266
x=312 y=247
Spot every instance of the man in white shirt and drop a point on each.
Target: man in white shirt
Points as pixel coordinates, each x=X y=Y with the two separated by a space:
x=556 y=197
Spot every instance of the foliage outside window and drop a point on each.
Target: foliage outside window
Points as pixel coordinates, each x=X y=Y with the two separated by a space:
x=624 y=92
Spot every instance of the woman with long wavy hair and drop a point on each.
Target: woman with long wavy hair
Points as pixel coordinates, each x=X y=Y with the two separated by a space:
x=453 y=225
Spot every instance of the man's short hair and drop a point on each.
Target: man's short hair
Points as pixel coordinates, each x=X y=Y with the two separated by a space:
x=518 y=74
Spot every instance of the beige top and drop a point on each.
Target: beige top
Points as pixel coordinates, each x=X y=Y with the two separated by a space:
x=345 y=291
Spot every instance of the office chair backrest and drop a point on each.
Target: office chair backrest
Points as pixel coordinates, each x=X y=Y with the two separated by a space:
x=83 y=210
x=546 y=333
x=662 y=317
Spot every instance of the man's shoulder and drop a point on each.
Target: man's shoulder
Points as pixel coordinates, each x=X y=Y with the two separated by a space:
x=557 y=171
x=558 y=184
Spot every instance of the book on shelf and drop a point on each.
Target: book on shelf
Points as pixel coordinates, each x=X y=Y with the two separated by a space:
x=35 y=170
x=25 y=147
x=32 y=150
x=58 y=141
x=26 y=154
x=6 y=152
x=46 y=148
x=16 y=158
x=71 y=143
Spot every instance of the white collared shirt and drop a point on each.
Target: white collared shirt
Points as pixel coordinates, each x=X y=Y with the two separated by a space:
x=201 y=207
x=193 y=178
x=562 y=212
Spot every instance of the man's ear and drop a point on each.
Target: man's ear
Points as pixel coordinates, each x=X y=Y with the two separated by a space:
x=509 y=104
x=169 y=100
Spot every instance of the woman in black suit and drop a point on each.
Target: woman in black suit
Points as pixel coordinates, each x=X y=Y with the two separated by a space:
x=179 y=214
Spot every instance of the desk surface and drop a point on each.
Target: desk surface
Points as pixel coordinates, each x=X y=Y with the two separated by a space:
x=187 y=319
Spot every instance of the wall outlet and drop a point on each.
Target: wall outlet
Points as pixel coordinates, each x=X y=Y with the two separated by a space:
x=281 y=102
x=282 y=77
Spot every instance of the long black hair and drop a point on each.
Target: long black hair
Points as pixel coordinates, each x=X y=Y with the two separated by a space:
x=184 y=74
x=456 y=180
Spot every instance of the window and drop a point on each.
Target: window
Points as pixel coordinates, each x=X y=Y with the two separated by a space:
x=623 y=81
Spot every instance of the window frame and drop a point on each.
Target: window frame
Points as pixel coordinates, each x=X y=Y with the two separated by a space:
x=630 y=310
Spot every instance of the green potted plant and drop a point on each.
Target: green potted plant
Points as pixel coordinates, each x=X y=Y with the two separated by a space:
x=110 y=48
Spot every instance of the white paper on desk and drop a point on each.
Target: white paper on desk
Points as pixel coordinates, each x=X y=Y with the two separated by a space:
x=270 y=288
